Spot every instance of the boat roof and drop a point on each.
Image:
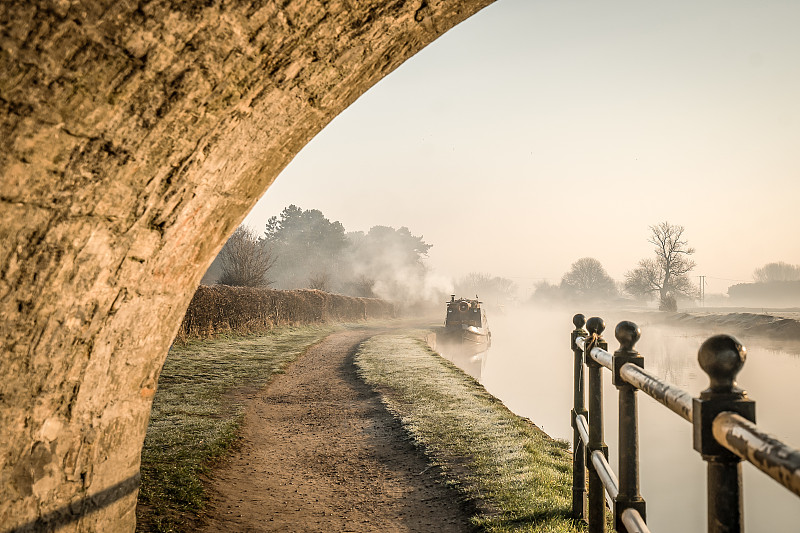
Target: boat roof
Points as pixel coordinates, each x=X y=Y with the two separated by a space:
x=470 y=300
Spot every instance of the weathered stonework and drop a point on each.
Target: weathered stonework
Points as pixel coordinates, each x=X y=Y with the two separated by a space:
x=134 y=137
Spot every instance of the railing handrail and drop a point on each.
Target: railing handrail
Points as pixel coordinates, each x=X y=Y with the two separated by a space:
x=634 y=522
x=722 y=417
x=607 y=475
x=602 y=357
x=583 y=428
x=767 y=453
x=676 y=399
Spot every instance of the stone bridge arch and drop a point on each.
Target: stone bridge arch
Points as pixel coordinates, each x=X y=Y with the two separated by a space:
x=135 y=136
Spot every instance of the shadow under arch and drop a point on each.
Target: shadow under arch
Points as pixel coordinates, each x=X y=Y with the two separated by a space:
x=135 y=137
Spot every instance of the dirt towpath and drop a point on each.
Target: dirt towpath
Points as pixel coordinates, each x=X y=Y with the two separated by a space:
x=321 y=453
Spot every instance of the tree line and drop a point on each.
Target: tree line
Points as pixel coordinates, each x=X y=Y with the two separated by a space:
x=664 y=275
x=304 y=249
x=775 y=284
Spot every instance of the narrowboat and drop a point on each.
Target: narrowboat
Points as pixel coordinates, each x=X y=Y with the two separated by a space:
x=466 y=323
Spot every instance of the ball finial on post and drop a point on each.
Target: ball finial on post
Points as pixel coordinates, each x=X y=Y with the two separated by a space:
x=628 y=334
x=722 y=357
x=579 y=321
x=595 y=325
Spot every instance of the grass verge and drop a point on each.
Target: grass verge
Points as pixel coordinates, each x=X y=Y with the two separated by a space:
x=197 y=412
x=517 y=477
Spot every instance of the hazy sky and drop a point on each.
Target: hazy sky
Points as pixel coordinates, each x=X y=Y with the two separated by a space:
x=539 y=132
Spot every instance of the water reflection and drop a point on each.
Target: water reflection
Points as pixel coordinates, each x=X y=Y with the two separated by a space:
x=530 y=370
x=471 y=358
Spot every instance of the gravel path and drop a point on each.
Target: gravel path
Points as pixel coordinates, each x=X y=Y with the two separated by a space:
x=321 y=453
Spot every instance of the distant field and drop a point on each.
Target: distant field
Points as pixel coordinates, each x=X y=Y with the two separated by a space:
x=792 y=313
x=776 y=324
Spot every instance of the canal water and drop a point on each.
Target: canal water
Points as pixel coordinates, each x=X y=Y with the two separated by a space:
x=529 y=367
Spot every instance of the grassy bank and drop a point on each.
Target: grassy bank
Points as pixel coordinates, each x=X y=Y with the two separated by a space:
x=517 y=476
x=197 y=412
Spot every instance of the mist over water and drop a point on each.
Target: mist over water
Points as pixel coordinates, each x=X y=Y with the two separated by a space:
x=529 y=367
x=693 y=102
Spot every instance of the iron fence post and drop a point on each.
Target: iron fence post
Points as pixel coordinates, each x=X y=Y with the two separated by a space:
x=597 y=499
x=578 y=409
x=721 y=357
x=627 y=333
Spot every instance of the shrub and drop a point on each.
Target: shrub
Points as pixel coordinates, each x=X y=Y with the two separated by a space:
x=668 y=303
x=219 y=309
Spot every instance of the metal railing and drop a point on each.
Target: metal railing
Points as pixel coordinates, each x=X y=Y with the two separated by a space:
x=722 y=421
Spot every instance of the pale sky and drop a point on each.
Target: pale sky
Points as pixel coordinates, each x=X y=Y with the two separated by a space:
x=539 y=132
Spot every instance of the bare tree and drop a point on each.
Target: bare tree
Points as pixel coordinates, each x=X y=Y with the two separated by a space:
x=245 y=260
x=667 y=273
x=492 y=289
x=545 y=293
x=588 y=278
x=779 y=271
x=320 y=281
x=364 y=287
